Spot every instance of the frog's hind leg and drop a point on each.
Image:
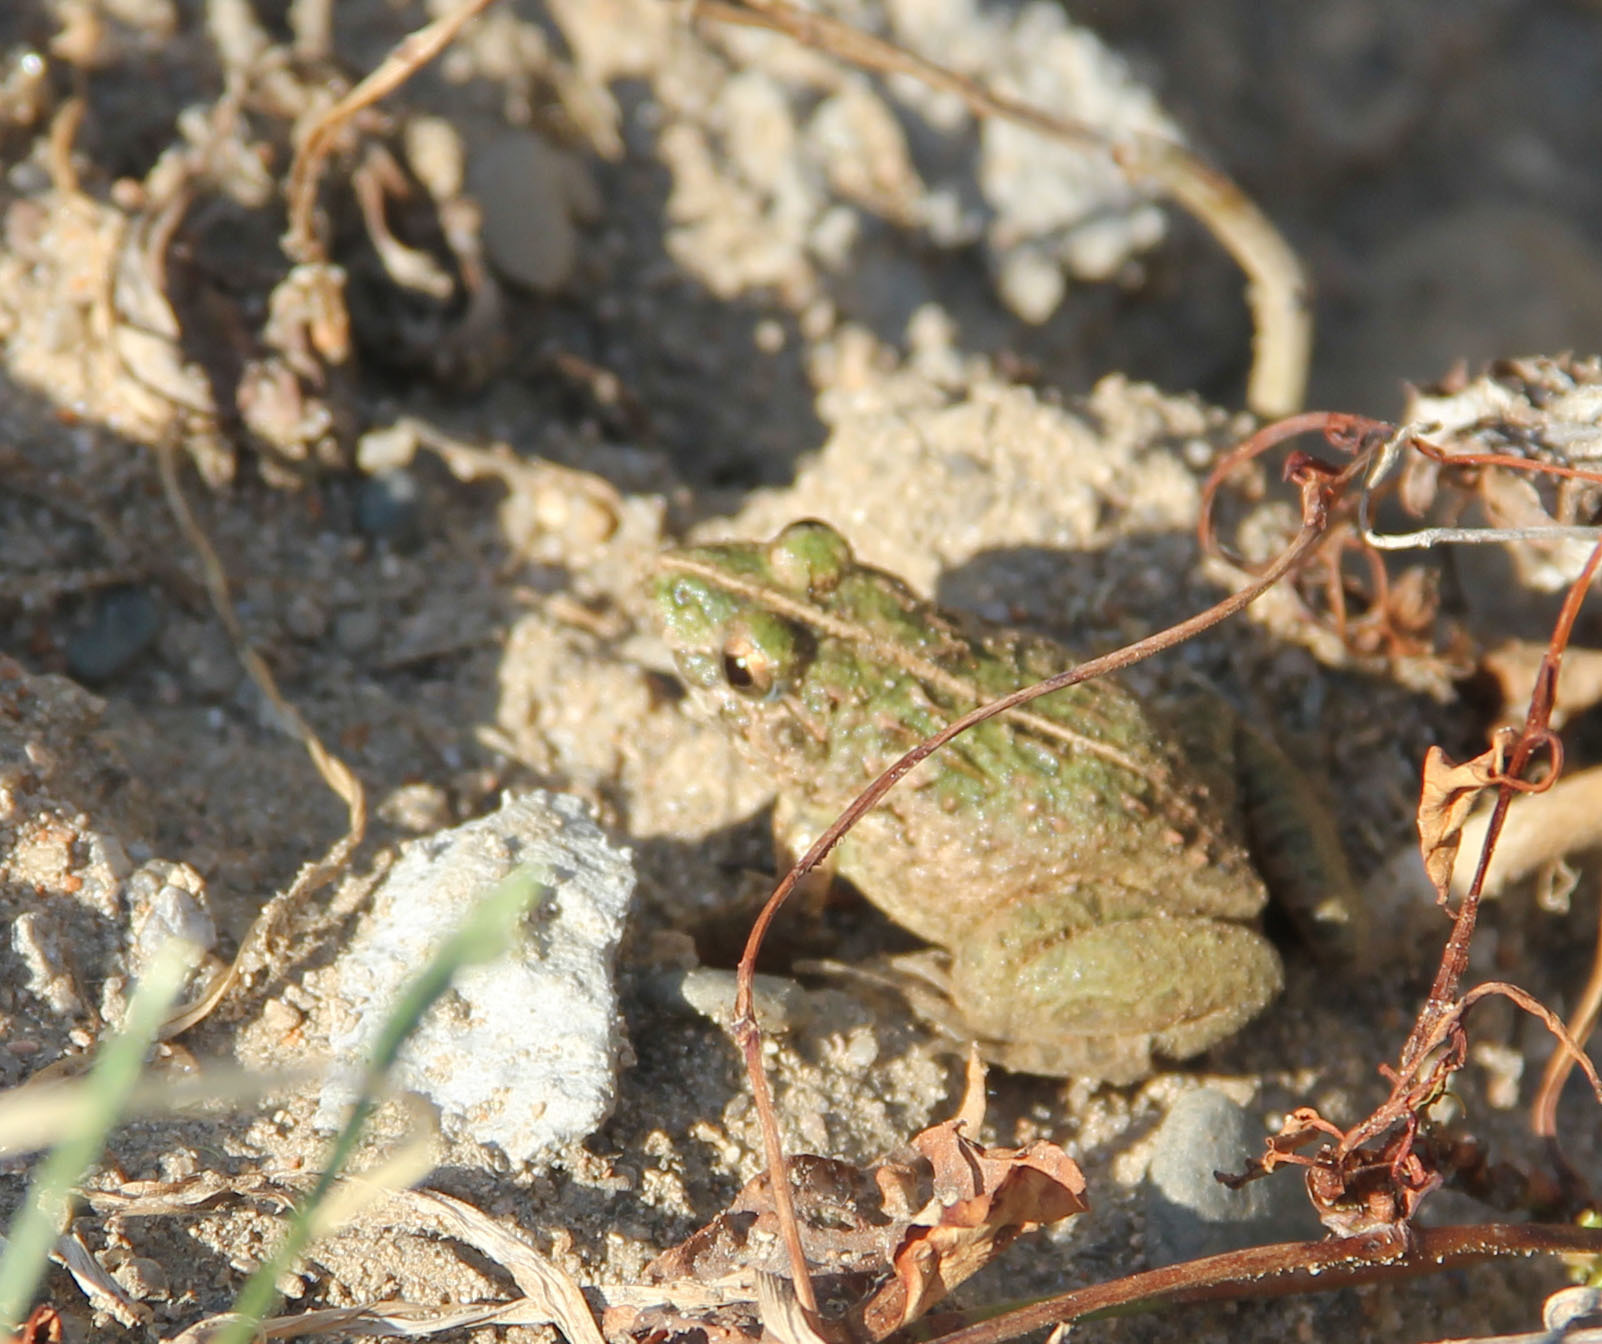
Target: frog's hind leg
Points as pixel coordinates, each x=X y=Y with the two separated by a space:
x=1295 y=846
x=1098 y=1002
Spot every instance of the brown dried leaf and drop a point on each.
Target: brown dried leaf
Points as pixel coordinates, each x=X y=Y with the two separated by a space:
x=984 y=1199
x=842 y=1222
x=1447 y=793
x=910 y=1229
x=43 y=1326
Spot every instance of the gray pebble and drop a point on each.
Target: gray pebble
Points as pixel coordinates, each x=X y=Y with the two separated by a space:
x=389 y=508
x=529 y=191
x=357 y=630
x=123 y=623
x=305 y=617
x=1189 y=1213
x=166 y=901
x=709 y=991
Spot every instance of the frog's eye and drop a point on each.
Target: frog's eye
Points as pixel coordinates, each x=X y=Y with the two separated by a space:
x=747 y=667
x=762 y=655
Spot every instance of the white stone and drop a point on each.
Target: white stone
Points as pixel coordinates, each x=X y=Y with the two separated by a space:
x=523 y=1052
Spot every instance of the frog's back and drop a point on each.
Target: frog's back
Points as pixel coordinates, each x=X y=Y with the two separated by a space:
x=1085 y=791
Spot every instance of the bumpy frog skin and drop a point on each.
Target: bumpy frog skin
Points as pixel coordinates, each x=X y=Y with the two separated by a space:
x=1090 y=882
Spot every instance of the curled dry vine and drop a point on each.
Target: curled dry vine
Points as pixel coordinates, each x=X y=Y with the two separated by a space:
x=1371 y=1177
x=1366 y=1182
x=302 y=241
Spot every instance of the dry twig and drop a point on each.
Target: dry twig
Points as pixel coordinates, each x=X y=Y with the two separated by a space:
x=335 y=773
x=1285 y=1269
x=409 y=56
x=1277 y=288
x=1373 y=1176
x=1543 y=1110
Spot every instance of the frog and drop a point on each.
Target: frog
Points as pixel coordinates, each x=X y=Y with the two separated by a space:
x=1083 y=866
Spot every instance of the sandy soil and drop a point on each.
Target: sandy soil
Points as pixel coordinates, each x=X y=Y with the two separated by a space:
x=720 y=310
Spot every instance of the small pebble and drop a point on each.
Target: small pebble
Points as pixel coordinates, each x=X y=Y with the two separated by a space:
x=281 y=1017
x=386 y=449
x=306 y=618
x=708 y=991
x=166 y=901
x=529 y=192
x=389 y=508
x=768 y=336
x=417 y=807
x=123 y=623
x=1189 y=1212
x=356 y=631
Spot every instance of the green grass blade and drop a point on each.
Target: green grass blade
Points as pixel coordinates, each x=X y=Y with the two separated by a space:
x=112 y=1078
x=489 y=929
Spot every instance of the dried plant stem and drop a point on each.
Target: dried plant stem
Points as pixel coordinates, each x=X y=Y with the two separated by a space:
x=1288 y=1268
x=1373 y=1175
x=1317 y=488
x=1424 y=1065
x=1571 y=1050
x=335 y=773
x=1543 y=1110
x=410 y=55
x=1276 y=289
x=1454 y=959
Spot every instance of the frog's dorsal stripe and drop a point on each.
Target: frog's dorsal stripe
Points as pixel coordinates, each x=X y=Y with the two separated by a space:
x=838 y=627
